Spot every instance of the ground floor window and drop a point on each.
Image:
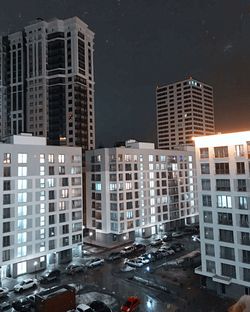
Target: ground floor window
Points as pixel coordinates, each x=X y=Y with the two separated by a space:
x=21 y=268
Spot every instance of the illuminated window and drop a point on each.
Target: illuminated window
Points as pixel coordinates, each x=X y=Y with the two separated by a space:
x=61 y=158
x=22 y=224
x=42 y=158
x=21 y=251
x=22 y=158
x=51 y=158
x=42 y=221
x=6 y=158
x=42 y=170
x=42 y=183
x=22 y=184
x=22 y=171
x=22 y=211
x=21 y=238
x=22 y=197
x=42 y=208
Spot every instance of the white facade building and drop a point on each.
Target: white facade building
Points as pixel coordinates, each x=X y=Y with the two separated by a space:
x=41 y=204
x=139 y=190
x=184 y=109
x=224 y=204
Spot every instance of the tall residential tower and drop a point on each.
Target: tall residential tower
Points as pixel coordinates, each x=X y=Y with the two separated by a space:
x=47 y=82
x=184 y=109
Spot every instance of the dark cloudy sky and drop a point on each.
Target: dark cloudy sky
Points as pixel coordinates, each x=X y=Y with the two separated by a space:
x=142 y=43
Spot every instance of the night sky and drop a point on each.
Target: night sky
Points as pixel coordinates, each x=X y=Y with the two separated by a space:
x=140 y=44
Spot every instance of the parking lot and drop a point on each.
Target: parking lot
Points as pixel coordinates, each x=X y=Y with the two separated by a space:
x=148 y=270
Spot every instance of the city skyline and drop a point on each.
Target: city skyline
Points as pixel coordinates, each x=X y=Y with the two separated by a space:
x=139 y=46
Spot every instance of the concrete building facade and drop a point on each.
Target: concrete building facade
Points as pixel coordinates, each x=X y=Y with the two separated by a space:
x=224 y=203
x=184 y=109
x=137 y=190
x=41 y=204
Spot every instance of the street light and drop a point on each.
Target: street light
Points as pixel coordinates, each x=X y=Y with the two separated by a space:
x=35 y=265
x=124 y=237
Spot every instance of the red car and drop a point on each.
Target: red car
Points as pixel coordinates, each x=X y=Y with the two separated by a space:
x=131 y=305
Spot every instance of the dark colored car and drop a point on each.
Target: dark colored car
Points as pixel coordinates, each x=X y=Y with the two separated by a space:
x=177 y=247
x=74 y=268
x=99 y=306
x=22 y=304
x=140 y=247
x=50 y=275
x=113 y=256
x=167 y=237
x=5 y=306
x=156 y=242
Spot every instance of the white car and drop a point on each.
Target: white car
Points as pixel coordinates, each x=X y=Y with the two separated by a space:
x=83 y=308
x=134 y=262
x=167 y=249
x=26 y=284
x=144 y=259
x=95 y=262
x=3 y=292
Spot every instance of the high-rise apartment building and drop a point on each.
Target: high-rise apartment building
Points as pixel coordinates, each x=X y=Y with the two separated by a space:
x=184 y=109
x=40 y=204
x=137 y=190
x=47 y=82
x=223 y=163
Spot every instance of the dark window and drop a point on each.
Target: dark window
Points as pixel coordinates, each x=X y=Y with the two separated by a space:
x=221 y=152
x=222 y=168
x=240 y=167
x=222 y=185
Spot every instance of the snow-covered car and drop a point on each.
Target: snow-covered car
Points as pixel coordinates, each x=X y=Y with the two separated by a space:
x=144 y=259
x=177 y=234
x=127 y=250
x=94 y=262
x=167 y=249
x=4 y=292
x=83 y=308
x=156 y=242
x=134 y=262
x=26 y=284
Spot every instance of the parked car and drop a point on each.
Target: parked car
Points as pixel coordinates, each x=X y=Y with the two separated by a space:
x=144 y=259
x=83 y=308
x=50 y=275
x=167 y=237
x=113 y=256
x=131 y=304
x=94 y=262
x=99 y=306
x=4 y=292
x=127 y=250
x=22 y=304
x=177 y=247
x=26 y=284
x=136 y=263
x=152 y=256
x=156 y=242
x=167 y=249
x=5 y=306
x=73 y=268
x=177 y=234
x=139 y=247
